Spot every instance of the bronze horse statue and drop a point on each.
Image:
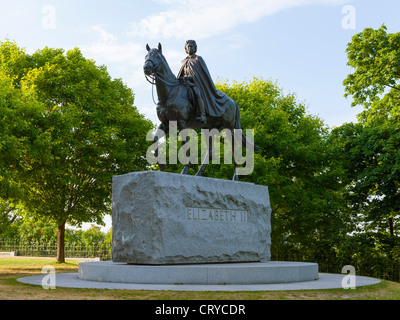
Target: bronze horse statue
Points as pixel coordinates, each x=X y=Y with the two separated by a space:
x=176 y=104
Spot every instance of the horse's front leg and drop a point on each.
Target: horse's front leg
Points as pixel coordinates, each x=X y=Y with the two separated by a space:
x=187 y=160
x=162 y=130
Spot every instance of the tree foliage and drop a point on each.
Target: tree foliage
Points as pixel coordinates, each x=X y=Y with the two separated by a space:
x=296 y=162
x=10 y=220
x=373 y=144
x=375 y=57
x=373 y=162
x=370 y=148
x=67 y=128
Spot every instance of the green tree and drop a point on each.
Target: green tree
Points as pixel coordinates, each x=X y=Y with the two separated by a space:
x=298 y=163
x=14 y=61
x=18 y=110
x=87 y=131
x=88 y=237
x=373 y=144
x=10 y=220
x=373 y=168
x=375 y=83
x=37 y=230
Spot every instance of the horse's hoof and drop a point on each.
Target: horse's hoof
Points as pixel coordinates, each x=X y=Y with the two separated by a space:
x=199 y=174
x=162 y=167
x=185 y=171
x=235 y=178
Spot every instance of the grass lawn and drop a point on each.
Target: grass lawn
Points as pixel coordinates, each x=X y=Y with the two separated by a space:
x=12 y=268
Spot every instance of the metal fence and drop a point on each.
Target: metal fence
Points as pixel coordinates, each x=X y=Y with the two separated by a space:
x=101 y=250
x=376 y=267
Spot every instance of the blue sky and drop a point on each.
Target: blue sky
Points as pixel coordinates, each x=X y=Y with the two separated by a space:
x=299 y=43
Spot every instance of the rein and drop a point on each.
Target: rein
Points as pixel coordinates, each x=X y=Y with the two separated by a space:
x=152 y=80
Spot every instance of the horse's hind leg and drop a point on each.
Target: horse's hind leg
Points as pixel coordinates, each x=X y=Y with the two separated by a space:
x=235 y=176
x=235 y=165
x=206 y=159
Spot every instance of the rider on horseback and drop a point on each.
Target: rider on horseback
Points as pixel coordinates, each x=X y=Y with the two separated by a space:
x=186 y=74
x=194 y=72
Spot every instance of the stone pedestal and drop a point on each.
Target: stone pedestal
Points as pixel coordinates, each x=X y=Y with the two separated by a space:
x=165 y=218
x=207 y=274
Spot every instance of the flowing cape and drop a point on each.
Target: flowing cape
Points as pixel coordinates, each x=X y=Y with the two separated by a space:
x=215 y=101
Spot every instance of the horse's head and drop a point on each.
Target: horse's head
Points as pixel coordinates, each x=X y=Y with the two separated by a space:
x=153 y=60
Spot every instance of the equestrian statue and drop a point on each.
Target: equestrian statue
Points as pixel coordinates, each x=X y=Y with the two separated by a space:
x=191 y=100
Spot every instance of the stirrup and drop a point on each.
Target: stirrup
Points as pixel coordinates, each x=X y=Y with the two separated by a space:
x=203 y=119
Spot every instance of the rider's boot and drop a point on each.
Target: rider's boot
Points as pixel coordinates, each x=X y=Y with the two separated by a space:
x=202 y=116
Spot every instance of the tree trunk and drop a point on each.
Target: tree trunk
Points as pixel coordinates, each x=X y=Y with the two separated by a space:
x=391 y=226
x=61 y=243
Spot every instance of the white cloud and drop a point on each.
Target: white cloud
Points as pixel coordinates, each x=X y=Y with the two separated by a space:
x=126 y=59
x=202 y=19
x=104 y=36
x=123 y=60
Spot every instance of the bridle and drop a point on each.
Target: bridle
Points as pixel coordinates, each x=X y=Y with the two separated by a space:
x=151 y=78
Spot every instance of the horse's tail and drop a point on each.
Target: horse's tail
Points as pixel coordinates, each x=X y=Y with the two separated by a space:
x=245 y=142
x=237 y=118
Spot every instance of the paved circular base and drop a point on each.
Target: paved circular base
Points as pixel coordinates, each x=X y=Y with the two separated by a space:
x=205 y=274
x=325 y=281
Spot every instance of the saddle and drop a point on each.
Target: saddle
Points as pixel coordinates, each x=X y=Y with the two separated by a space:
x=188 y=82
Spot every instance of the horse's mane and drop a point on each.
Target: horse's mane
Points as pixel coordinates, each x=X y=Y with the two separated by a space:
x=170 y=73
